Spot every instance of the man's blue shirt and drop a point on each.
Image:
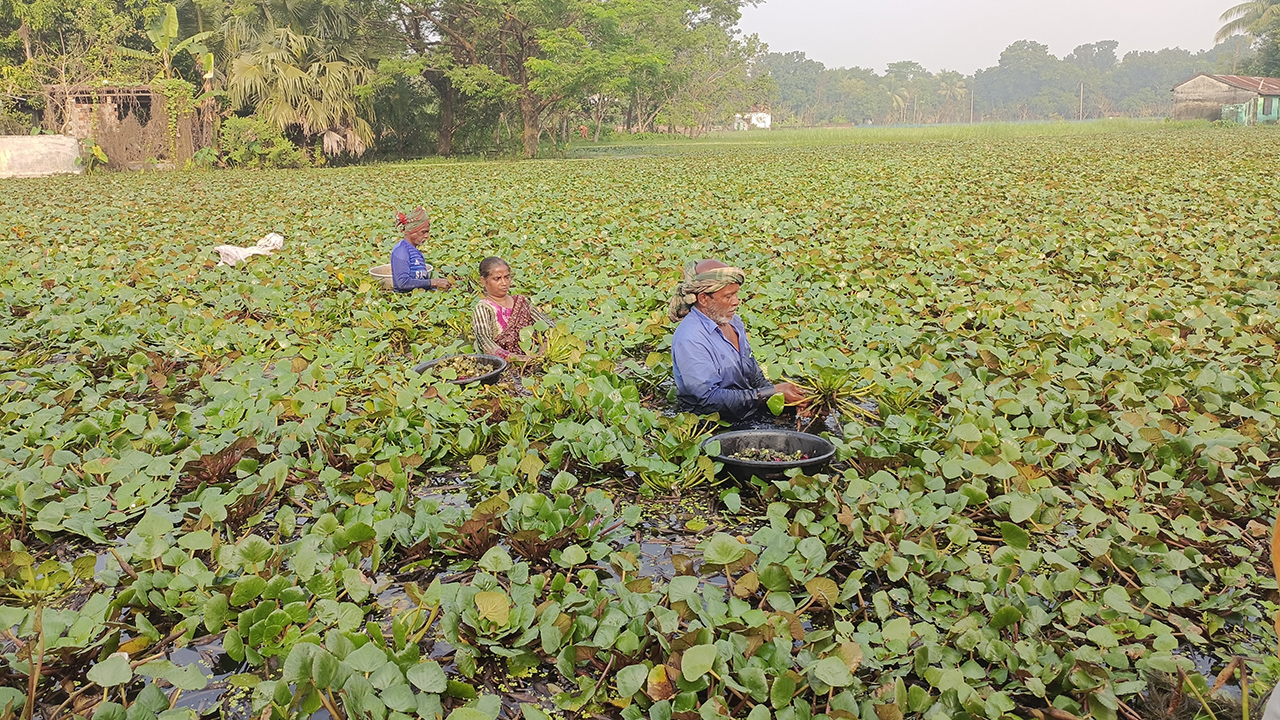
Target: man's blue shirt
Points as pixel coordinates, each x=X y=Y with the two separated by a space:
x=713 y=376
x=409 y=268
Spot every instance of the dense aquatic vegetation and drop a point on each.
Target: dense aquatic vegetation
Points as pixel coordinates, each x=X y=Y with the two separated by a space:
x=1069 y=493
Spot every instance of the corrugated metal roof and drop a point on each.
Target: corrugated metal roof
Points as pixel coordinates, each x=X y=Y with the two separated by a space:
x=1260 y=85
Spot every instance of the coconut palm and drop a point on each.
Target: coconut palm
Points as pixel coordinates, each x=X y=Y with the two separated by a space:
x=1247 y=18
x=951 y=89
x=900 y=99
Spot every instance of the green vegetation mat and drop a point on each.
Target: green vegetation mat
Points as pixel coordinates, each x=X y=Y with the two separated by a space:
x=223 y=490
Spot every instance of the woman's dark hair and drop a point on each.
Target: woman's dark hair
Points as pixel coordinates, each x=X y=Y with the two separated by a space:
x=492 y=263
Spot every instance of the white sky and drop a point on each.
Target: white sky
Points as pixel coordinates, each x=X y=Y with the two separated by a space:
x=966 y=35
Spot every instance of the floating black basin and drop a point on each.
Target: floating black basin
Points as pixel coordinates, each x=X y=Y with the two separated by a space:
x=819 y=451
x=489 y=378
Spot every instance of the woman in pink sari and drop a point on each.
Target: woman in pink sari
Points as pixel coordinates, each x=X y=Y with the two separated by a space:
x=499 y=316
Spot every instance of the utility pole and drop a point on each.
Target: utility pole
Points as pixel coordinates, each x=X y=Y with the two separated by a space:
x=1082 y=101
x=970 y=107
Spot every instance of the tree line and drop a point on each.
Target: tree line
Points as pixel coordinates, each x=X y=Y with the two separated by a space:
x=402 y=77
x=342 y=78
x=1028 y=83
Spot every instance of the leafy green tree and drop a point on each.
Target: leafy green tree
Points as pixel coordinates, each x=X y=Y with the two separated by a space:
x=81 y=35
x=65 y=43
x=716 y=81
x=1267 y=61
x=1098 y=57
x=1025 y=68
x=858 y=97
x=1143 y=79
x=514 y=34
x=694 y=42
x=404 y=106
x=802 y=87
x=452 y=39
x=482 y=49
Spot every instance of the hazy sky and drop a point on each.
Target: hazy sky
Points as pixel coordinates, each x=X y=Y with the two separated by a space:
x=966 y=35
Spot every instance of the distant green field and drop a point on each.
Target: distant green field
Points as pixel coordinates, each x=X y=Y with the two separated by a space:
x=226 y=488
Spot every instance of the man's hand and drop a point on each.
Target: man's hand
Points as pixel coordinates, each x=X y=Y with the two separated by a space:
x=442 y=284
x=791 y=394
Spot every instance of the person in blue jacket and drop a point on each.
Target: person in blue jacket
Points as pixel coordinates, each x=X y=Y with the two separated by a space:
x=409 y=269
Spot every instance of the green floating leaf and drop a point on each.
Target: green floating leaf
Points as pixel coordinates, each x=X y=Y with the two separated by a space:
x=104 y=711
x=496 y=560
x=1006 y=616
x=967 y=432
x=428 y=677
x=367 y=658
x=469 y=713
x=732 y=500
x=723 y=549
x=631 y=679
x=494 y=607
x=1015 y=536
x=898 y=629
x=533 y=712
x=1021 y=508
x=697 y=661
x=247 y=589
x=111 y=672
x=833 y=671
x=784 y=688
x=572 y=555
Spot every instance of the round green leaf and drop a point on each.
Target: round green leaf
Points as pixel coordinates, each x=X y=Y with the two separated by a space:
x=631 y=680
x=697 y=661
x=1015 y=536
x=723 y=549
x=833 y=672
x=111 y=672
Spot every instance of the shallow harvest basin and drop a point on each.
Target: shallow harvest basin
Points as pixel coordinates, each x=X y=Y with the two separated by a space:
x=816 y=452
x=382 y=273
x=493 y=361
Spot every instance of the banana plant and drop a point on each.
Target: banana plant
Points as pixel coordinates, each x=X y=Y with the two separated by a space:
x=163 y=33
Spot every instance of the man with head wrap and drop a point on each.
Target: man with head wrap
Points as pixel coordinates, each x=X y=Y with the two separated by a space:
x=715 y=371
x=409 y=269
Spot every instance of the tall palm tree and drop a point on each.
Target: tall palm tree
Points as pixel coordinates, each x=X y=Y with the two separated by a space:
x=1247 y=18
x=951 y=89
x=900 y=99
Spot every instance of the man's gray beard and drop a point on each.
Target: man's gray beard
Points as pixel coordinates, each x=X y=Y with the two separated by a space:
x=718 y=318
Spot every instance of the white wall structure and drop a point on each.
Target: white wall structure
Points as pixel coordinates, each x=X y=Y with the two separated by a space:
x=38 y=155
x=762 y=120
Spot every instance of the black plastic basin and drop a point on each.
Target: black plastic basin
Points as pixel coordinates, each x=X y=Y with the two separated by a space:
x=819 y=450
x=489 y=378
